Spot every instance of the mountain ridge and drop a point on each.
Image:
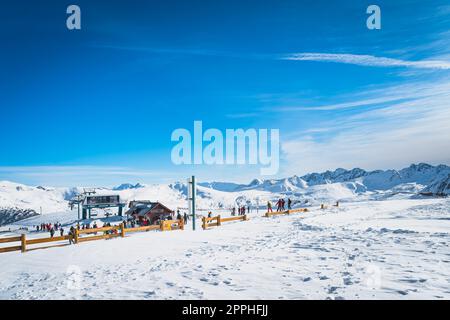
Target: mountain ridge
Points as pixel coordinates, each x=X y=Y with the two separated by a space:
x=421 y=178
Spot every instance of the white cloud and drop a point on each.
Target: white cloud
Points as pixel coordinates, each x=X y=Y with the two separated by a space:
x=396 y=135
x=367 y=60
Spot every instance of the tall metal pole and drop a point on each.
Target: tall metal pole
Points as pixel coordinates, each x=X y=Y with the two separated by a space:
x=193 y=202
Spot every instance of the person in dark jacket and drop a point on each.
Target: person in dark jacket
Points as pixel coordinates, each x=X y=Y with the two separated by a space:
x=72 y=235
x=269 y=207
x=52 y=232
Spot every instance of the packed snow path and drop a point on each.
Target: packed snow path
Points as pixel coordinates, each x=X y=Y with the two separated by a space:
x=366 y=250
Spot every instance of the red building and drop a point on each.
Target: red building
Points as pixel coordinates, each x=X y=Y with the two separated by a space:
x=148 y=210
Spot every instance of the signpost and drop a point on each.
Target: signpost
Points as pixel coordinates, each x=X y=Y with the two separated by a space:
x=191 y=199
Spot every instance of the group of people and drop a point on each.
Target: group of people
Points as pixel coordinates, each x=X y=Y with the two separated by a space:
x=183 y=217
x=240 y=210
x=51 y=228
x=144 y=221
x=281 y=205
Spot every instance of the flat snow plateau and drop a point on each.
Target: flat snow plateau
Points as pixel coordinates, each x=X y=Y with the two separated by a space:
x=392 y=249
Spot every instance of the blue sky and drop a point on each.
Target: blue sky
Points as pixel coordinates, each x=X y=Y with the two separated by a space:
x=97 y=106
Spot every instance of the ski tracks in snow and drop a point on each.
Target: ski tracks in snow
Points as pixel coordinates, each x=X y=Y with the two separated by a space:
x=329 y=254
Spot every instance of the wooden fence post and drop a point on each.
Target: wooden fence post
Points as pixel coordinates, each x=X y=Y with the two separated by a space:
x=23 y=240
x=219 y=223
x=122 y=230
x=76 y=235
x=245 y=217
x=181 y=224
x=204 y=223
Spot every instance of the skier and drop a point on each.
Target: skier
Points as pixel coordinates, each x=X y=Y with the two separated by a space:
x=209 y=214
x=269 y=207
x=52 y=232
x=248 y=209
x=282 y=204
x=289 y=204
x=61 y=230
x=178 y=215
x=185 y=218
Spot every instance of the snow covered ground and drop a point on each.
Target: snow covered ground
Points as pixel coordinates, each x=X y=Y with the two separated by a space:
x=394 y=249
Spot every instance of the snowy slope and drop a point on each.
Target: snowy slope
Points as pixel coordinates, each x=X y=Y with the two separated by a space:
x=396 y=249
x=14 y=195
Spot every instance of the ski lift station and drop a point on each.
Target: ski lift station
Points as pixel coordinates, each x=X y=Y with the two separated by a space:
x=101 y=202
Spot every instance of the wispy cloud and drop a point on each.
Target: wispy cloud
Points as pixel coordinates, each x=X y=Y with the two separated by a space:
x=391 y=135
x=367 y=60
x=76 y=175
x=377 y=97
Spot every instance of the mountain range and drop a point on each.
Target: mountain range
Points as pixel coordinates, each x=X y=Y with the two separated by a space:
x=18 y=201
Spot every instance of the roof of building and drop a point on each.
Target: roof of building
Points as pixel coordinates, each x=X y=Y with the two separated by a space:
x=142 y=208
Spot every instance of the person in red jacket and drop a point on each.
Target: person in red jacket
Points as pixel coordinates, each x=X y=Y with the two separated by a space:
x=279 y=205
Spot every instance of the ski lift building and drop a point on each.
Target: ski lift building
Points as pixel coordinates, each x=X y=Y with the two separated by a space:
x=101 y=202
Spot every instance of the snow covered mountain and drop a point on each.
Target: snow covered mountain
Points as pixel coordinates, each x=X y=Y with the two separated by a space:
x=19 y=201
x=126 y=186
x=440 y=187
x=357 y=179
